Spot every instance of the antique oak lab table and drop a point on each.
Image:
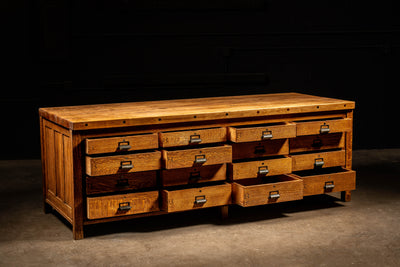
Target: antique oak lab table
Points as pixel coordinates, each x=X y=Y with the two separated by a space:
x=121 y=161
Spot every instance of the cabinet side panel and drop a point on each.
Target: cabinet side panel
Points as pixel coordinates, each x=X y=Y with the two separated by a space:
x=57 y=157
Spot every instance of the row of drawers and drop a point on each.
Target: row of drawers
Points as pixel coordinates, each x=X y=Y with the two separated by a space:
x=248 y=192
x=240 y=134
x=207 y=156
x=216 y=172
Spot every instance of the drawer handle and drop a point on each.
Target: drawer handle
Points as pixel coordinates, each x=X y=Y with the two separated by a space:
x=200 y=199
x=329 y=185
x=200 y=159
x=266 y=135
x=263 y=170
x=325 y=129
x=126 y=165
x=122 y=183
x=274 y=194
x=195 y=139
x=259 y=150
x=124 y=145
x=125 y=206
x=319 y=162
x=194 y=176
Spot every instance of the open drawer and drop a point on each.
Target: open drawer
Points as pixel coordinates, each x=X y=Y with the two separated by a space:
x=197 y=197
x=327 y=180
x=274 y=189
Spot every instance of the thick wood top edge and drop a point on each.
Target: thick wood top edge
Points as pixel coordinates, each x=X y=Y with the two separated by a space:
x=186 y=110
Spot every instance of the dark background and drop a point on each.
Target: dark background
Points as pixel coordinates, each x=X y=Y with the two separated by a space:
x=69 y=52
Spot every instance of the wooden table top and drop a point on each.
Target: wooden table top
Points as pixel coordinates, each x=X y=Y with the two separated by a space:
x=185 y=110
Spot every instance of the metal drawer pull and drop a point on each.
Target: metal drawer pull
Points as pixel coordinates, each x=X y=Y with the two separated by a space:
x=195 y=139
x=199 y=159
x=124 y=145
x=122 y=183
x=194 y=176
x=125 y=206
x=126 y=165
x=325 y=128
x=329 y=185
x=200 y=199
x=274 y=194
x=263 y=170
x=319 y=162
x=266 y=135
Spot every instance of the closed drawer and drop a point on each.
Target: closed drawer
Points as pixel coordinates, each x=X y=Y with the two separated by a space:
x=196 y=198
x=192 y=137
x=258 y=191
x=184 y=158
x=260 y=149
x=193 y=175
x=261 y=132
x=121 y=143
x=323 y=126
x=120 y=182
x=260 y=168
x=318 y=160
x=327 y=181
x=138 y=162
x=120 y=205
x=317 y=142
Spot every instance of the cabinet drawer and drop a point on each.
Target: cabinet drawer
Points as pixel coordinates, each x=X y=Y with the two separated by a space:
x=196 y=198
x=184 y=158
x=260 y=168
x=261 y=132
x=183 y=176
x=121 y=143
x=318 y=160
x=192 y=137
x=323 y=126
x=327 y=180
x=260 y=149
x=317 y=142
x=138 y=162
x=120 y=205
x=120 y=182
x=258 y=191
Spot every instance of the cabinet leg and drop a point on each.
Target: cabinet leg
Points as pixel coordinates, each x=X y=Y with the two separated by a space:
x=224 y=212
x=77 y=231
x=47 y=208
x=346 y=196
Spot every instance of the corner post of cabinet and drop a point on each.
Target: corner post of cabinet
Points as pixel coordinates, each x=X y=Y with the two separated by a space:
x=78 y=209
x=346 y=195
x=46 y=207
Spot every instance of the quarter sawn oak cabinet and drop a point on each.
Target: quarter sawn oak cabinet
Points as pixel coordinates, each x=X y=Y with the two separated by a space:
x=122 y=161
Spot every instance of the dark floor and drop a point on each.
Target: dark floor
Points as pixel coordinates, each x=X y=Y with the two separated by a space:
x=316 y=231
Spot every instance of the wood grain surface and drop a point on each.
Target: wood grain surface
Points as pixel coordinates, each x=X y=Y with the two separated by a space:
x=169 y=111
x=307 y=161
x=185 y=138
x=255 y=133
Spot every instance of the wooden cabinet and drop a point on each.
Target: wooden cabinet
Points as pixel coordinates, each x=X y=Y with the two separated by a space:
x=122 y=161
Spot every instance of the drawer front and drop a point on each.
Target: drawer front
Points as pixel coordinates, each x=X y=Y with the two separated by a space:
x=198 y=157
x=192 y=137
x=255 y=192
x=316 y=184
x=121 y=143
x=196 y=198
x=120 y=205
x=323 y=127
x=260 y=149
x=120 y=182
x=261 y=133
x=317 y=142
x=183 y=176
x=261 y=168
x=318 y=160
x=96 y=166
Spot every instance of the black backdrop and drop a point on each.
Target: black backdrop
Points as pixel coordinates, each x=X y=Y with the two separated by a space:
x=69 y=52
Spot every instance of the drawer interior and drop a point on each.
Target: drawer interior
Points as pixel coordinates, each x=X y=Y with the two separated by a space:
x=322 y=171
x=259 y=181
